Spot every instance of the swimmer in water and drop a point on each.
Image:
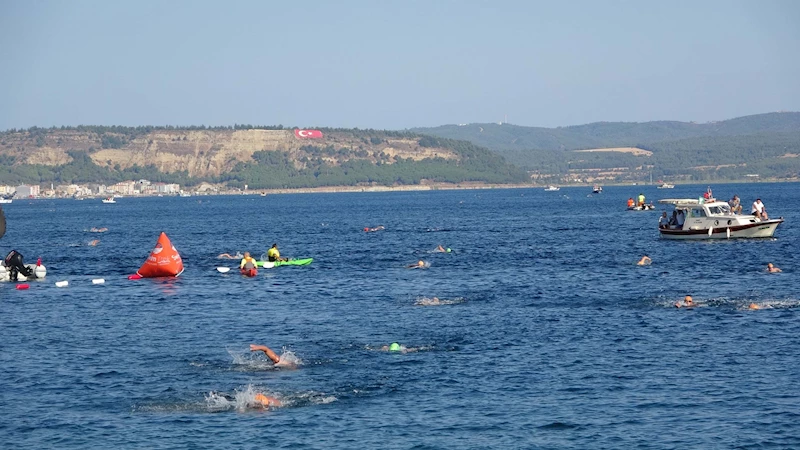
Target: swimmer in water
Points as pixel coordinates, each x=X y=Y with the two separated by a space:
x=273 y=356
x=773 y=269
x=396 y=347
x=754 y=306
x=429 y=301
x=266 y=401
x=229 y=256
x=94 y=242
x=98 y=230
x=645 y=261
x=419 y=265
x=688 y=302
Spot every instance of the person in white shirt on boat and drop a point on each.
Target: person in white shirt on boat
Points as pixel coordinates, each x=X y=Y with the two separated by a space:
x=759 y=210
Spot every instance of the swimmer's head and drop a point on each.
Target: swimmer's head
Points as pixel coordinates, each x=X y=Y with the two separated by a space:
x=394 y=347
x=366 y=228
x=754 y=306
x=421 y=263
x=769 y=265
x=688 y=299
x=262 y=399
x=448 y=249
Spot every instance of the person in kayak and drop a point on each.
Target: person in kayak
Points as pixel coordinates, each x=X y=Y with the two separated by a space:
x=16 y=265
x=248 y=262
x=273 y=356
x=273 y=254
x=631 y=203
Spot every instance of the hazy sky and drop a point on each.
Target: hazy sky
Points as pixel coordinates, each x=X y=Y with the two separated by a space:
x=394 y=64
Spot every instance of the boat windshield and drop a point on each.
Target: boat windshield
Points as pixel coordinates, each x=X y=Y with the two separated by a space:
x=724 y=210
x=697 y=212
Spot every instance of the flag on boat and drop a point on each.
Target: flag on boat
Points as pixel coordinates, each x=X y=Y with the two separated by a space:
x=164 y=260
x=307 y=134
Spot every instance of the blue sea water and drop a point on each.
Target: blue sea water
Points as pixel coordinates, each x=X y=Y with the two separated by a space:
x=550 y=335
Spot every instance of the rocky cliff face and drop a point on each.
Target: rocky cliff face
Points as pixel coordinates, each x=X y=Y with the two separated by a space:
x=203 y=152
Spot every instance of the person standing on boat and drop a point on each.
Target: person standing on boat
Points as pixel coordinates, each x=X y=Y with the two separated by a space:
x=736 y=205
x=641 y=200
x=759 y=210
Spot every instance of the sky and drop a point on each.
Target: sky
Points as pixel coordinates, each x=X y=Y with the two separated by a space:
x=394 y=64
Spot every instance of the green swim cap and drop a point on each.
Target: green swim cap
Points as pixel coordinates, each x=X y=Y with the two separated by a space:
x=448 y=249
x=394 y=347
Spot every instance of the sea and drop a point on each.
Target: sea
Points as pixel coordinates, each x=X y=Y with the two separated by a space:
x=546 y=333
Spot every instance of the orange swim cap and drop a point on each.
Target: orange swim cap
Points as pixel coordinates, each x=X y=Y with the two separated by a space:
x=261 y=398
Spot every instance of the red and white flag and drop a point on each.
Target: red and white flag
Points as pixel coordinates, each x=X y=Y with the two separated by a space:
x=307 y=134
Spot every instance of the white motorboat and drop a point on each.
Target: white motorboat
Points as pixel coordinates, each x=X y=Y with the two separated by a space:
x=5 y=200
x=666 y=186
x=552 y=188
x=597 y=189
x=109 y=200
x=712 y=219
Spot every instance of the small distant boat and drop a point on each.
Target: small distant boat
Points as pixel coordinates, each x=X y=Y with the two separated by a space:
x=666 y=186
x=597 y=189
x=5 y=200
x=109 y=200
x=263 y=194
x=185 y=194
x=552 y=188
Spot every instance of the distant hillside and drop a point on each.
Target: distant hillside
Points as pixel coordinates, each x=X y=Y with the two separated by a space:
x=765 y=144
x=262 y=157
x=501 y=137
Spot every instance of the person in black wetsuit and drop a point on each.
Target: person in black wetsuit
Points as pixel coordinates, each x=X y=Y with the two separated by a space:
x=14 y=263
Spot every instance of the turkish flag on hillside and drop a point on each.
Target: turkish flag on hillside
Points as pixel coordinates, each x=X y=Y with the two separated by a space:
x=308 y=134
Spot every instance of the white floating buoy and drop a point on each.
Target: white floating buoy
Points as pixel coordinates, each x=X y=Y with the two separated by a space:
x=223 y=269
x=64 y=283
x=98 y=281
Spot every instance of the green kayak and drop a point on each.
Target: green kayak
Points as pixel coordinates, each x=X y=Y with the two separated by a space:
x=291 y=262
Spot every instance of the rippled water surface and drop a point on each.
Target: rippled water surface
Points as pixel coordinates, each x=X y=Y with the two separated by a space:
x=548 y=335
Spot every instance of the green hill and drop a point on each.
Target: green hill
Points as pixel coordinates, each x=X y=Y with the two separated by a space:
x=767 y=144
x=260 y=157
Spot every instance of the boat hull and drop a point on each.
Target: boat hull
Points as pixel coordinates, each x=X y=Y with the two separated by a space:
x=763 y=229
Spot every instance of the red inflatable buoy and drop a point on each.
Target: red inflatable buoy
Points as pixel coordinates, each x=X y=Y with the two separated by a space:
x=23 y=286
x=135 y=276
x=164 y=260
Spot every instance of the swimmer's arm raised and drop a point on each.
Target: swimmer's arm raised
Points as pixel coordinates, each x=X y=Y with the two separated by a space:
x=267 y=351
